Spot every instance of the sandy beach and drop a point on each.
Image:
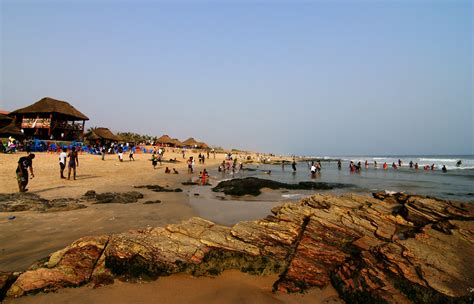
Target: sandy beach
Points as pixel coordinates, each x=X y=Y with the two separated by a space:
x=34 y=235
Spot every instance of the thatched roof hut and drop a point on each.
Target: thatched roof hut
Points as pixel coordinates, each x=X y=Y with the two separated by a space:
x=177 y=143
x=202 y=145
x=190 y=142
x=5 y=120
x=10 y=130
x=165 y=140
x=50 y=118
x=50 y=105
x=102 y=134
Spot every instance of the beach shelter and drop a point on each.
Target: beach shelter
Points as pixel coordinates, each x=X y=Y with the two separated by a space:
x=10 y=130
x=50 y=118
x=5 y=120
x=165 y=140
x=177 y=143
x=203 y=145
x=102 y=134
x=190 y=142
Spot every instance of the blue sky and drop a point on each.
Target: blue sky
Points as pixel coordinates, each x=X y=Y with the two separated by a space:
x=332 y=78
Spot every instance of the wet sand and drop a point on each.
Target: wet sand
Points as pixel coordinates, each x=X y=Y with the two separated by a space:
x=230 y=287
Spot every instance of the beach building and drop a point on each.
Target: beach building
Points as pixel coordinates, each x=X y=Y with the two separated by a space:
x=165 y=140
x=192 y=143
x=102 y=136
x=51 y=119
x=5 y=120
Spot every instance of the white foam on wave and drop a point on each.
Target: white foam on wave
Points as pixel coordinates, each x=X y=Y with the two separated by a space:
x=460 y=168
x=439 y=159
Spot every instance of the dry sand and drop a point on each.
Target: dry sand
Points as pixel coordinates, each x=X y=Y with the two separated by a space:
x=34 y=235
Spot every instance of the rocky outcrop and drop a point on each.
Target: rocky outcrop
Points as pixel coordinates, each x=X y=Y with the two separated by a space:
x=113 y=197
x=158 y=188
x=14 y=202
x=395 y=249
x=253 y=185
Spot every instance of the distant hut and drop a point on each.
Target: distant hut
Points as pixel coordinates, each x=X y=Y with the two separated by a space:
x=102 y=136
x=49 y=118
x=190 y=142
x=177 y=143
x=165 y=140
x=10 y=130
x=5 y=120
x=202 y=145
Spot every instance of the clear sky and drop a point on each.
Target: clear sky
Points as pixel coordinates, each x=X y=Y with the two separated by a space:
x=313 y=78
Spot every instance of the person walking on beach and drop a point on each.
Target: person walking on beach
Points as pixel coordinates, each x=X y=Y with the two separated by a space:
x=24 y=163
x=190 y=165
x=120 y=154
x=103 y=152
x=154 y=160
x=73 y=162
x=132 y=151
x=62 y=162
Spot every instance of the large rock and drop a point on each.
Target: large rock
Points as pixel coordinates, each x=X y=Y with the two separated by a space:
x=13 y=202
x=253 y=185
x=394 y=249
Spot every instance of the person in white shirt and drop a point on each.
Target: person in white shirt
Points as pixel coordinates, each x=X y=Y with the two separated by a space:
x=62 y=162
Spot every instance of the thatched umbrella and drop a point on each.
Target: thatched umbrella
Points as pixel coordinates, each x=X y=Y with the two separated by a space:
x=5 y=120
x=202 y=145
x=11 y=130
x=190 y=142
x=176 y=142
x=102 y=133
x=165 y=139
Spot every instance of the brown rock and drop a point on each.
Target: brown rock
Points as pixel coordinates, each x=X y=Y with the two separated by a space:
x=390 y=248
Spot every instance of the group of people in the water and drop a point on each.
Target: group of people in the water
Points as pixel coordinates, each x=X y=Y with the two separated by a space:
x=356 y=167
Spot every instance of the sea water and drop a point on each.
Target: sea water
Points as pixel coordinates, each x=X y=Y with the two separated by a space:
x=457 y=183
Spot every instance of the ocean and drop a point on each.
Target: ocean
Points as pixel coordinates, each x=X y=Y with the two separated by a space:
x=457 y=183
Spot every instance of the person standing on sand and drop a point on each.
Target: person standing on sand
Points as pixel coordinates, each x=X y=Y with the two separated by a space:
x=132 y=151
x=24 y=163
x=120 y=154
x=190 y=165
x=62 y=162
x=103 y=152
x=154 y=160
x=73 y=162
